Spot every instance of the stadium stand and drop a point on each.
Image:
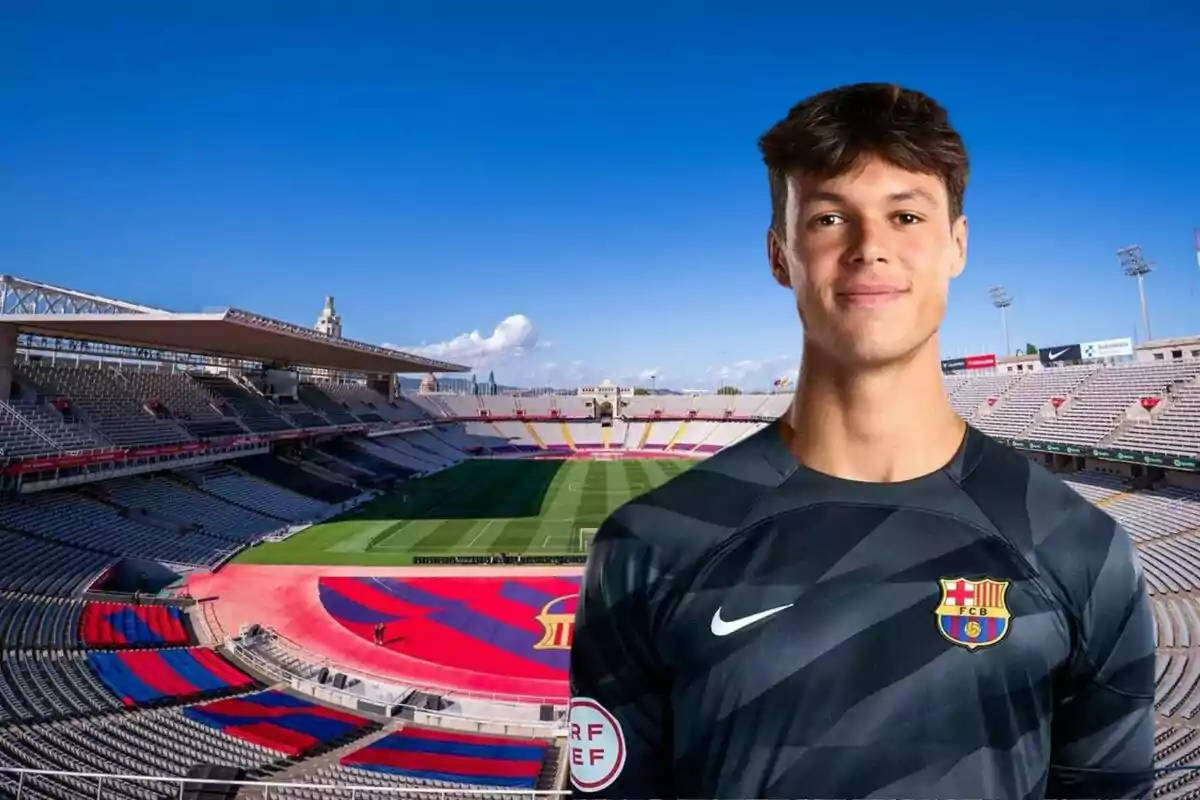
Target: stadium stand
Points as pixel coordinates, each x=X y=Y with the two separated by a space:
x=144 y=677
x=431 y=755
x=36 y=566
x=27 y=428
x=195 y=464
x=1176 y=428
x=1008 y=413
x=29 y=622
x=177 y=395
x=102 y=397
x=253 y=412
x=279 y=721
x=1092 y=412
x=112 y=625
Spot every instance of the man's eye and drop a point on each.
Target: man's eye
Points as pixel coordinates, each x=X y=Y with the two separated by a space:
x=907 y=219
x=825 y=220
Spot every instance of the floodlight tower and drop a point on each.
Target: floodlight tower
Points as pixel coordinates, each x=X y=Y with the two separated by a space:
x=1001 y=299
x=1136 y=266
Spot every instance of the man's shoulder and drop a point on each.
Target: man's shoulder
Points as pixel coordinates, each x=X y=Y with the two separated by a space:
x=699 y=508
x=1061 y=533
x=1020 y=496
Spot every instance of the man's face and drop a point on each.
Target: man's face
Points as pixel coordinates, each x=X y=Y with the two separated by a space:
x=869 y=256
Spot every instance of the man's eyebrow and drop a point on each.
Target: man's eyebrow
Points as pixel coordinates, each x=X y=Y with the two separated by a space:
x=824 y=196
x=913 y=194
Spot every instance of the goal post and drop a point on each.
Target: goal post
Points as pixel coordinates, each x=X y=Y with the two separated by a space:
x=583 y=542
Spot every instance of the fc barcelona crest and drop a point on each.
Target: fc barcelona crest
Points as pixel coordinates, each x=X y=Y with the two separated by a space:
x=973 y=613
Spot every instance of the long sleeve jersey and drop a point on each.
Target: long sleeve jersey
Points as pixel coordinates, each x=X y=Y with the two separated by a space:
x=756 y=629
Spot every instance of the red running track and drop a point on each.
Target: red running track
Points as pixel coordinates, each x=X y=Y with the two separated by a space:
x=516 y=626
x=286 y=598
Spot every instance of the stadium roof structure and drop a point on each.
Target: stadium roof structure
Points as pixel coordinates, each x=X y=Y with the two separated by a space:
x=50 y=311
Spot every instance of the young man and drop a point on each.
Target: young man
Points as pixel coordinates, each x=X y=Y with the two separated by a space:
x=867 y=598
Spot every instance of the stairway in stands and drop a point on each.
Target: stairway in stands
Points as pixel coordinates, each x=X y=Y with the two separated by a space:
x=645 y=435
x=533 y=434
x=298 y=771
x=675 y=437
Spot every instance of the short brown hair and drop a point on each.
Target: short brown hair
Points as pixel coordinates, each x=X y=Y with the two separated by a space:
x=826 y=134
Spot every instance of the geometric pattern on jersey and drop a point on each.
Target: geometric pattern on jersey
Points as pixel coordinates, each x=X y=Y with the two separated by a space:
x=443 y=755
x=754 y=628
x=520 y=627
x=277 y=720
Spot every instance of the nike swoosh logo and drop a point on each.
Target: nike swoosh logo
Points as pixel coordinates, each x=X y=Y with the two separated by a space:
x=1059 y=353
x=722 y=627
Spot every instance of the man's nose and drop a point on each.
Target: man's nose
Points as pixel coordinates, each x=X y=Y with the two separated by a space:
x=868 y=244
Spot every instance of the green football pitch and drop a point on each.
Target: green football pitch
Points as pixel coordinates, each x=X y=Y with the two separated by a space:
x=476 y=508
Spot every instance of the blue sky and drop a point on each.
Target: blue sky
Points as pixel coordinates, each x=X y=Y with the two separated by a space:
x=591 y=173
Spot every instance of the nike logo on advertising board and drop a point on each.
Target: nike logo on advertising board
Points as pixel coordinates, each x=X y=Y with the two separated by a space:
x=721 y=627
x=1054 y=355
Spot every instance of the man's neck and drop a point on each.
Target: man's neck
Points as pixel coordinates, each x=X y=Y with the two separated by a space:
x=884 y=425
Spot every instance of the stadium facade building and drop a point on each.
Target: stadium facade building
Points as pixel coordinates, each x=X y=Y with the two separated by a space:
x=143 y=449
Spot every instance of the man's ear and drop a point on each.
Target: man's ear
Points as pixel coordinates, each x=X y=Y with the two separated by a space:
x=777 y=257
x=958 y=232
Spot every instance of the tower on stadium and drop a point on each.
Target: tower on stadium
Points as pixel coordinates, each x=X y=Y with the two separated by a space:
x=330 y=322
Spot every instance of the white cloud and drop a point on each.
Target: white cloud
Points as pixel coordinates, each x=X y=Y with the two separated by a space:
x=650 y=374
x=751 y=374
x=512 y=338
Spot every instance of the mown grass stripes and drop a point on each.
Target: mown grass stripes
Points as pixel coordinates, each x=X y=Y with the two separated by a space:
x=479 y=507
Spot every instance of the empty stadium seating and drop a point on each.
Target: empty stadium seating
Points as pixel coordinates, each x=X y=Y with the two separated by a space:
x=28 y=428
x=1176 y=428
x=157 y=743
x=255 y=412
x=109 y=625
x=142 y=677
x=443 y=755
x=262 y=497
x=40 y=684
x=109 y=404
x=184 y=400
x=89 y=522
x=37 y=566
x=1096 y=408
x=113 y=687
x=278 y=721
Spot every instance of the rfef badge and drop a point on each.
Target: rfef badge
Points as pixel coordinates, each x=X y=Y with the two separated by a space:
x=973 y=613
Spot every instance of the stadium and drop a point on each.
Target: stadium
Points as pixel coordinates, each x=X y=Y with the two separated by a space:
x=234 y=538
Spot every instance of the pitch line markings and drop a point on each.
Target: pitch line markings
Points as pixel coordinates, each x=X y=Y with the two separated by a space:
x=482 y=531
x=634 y=487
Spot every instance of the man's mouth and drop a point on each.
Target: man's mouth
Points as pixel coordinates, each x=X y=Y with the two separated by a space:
x=868 y=296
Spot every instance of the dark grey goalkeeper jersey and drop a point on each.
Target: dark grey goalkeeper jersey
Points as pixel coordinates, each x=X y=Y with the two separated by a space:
x=753 y=629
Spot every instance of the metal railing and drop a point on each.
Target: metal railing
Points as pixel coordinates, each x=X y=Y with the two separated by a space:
x=493 y=724
x=302 y=653
x=24 y=783
x=208 y=616
x=20 y=419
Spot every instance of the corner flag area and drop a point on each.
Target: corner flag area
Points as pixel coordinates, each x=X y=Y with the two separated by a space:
x=480 y=507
